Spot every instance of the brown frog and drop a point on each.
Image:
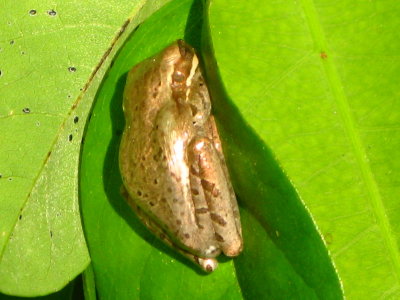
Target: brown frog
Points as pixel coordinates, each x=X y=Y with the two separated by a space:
x=173 y=169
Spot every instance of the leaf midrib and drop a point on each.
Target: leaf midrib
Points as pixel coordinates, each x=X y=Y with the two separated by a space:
x=335 y=83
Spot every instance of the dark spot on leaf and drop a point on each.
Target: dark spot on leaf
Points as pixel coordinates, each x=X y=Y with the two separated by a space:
x=72 y=69
x=52 y=12
x=76 y=119
x=32 y=12
x=26 y=110
x=70 y=137
x=324 y=55
x=20 y=217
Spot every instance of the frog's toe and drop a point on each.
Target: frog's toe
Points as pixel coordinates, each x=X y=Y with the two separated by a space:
x=207 y=264
x=233 y=249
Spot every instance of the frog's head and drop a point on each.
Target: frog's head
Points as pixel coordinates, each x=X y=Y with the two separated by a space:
x=181 y=64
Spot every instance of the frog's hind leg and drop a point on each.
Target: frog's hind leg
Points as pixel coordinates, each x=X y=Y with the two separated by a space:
x=207 y=264
x=208 y=175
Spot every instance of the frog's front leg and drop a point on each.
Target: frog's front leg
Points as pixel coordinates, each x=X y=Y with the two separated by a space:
x=209 y=181
x=207 y=264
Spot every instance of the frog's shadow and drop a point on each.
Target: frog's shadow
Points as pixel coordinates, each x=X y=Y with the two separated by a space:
x=113 y=182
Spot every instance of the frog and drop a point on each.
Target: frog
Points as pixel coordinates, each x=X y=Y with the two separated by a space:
x=171 y=160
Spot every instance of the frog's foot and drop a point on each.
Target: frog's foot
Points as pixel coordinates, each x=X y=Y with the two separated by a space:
x=207 y=264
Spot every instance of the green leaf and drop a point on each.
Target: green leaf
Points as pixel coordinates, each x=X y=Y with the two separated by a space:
x=128 y=261
x=69 y=292
x=284 y=255
x=52 y=59
x=89 y=284
x=309 y=136
x=318 y=83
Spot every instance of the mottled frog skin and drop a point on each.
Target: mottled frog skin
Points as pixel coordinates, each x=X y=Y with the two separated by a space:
x=173 y=169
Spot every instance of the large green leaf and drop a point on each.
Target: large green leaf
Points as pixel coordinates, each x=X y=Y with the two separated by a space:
x=284 y=255
x=318 y=82
x=52 y=59
x=128 y=261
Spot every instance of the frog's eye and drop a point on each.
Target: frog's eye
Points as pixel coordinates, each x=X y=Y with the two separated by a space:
x=178 y=76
